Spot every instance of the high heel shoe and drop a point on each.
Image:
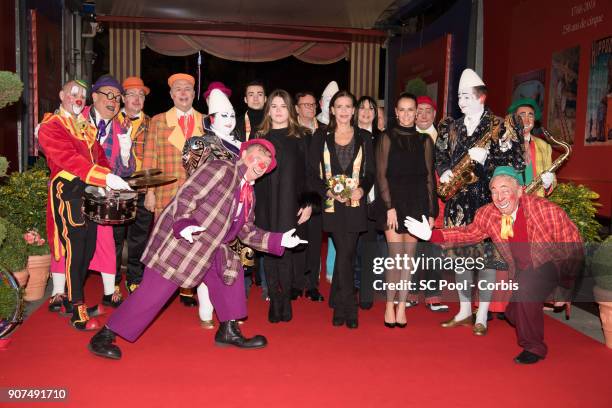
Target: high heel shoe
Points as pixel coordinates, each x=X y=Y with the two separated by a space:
x=565 y=307
x=401 y=325
x=390 y=325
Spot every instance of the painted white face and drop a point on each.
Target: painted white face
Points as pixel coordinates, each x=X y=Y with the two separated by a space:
x=224 y=122
x=73 y=98
x=469 y=103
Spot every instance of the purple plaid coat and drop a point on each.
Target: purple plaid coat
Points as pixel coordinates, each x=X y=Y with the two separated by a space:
x=209 y=199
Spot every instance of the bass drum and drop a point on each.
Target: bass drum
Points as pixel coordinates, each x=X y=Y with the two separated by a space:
x=11 y=303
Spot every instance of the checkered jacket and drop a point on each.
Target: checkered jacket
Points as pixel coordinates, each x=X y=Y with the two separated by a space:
x=207 y=199
x=552 y=236
x=163 y=150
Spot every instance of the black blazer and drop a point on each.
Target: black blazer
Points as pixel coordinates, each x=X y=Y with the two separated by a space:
x=344 y=218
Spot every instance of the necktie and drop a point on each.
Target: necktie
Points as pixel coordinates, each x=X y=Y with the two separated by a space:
x=246 y=198
x=186 y=123
x=506 y=227
x=101 y=129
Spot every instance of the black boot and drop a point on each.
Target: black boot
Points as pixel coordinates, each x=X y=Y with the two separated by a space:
x=286 y=312
x=314 y=295
x=296 y=293
x=229 y=335
x=101 y=344
x=274 y=315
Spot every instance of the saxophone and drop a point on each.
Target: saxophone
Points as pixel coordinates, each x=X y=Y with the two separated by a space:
x=463 y=172
x=537 y=182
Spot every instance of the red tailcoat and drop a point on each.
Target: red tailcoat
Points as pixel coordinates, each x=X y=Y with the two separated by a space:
x=71 y=149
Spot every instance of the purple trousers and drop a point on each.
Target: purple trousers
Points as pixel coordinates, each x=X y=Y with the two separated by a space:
x=138 y=311
x=525 y=308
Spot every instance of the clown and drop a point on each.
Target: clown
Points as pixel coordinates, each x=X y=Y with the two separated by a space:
x=456 y=139
x=548 y=264
x=190 y=245
x=218 y=143
x=538 y=153
x=75 y=160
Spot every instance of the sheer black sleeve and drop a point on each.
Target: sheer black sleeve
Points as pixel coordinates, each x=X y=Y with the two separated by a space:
x=432 y=196
x=382 y=161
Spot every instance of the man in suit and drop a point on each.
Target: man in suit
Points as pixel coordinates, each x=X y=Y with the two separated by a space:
x=255 y=99
x=164 y=147
x=189 y=245
x=541 y=245
x=137 y=123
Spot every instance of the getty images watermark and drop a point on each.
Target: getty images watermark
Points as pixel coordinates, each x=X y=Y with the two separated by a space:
x=413 y=264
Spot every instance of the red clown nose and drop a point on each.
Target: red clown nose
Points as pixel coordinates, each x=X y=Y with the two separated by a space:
x=79 y=102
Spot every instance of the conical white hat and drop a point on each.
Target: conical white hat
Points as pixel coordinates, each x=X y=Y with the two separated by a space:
x=330 y=89
x=218 y=102
x=469 y=79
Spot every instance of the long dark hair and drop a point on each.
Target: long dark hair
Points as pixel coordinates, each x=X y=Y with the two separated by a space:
x=266 y=124
x=373 y=104
x=332 y=118
x=404 y=142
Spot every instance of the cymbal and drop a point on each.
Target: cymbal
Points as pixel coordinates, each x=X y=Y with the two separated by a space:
x=146 y=173
x=153 y=181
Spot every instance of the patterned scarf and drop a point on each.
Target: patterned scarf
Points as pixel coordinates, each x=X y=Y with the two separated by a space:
x=325 y=170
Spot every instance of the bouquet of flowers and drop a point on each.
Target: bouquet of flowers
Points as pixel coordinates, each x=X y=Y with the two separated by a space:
x=342 y=186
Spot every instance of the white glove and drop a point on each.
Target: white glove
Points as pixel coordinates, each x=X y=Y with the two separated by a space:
x=125 y=146
x=446 y=176
x=187 y=232
x=478 y=154
x=547 y=179
x=291 y=241
x=114 y=182
x=419 y=229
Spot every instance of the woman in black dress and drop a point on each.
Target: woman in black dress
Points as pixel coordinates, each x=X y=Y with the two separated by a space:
x=338 y=149
x=407 y=186
x=282 y=200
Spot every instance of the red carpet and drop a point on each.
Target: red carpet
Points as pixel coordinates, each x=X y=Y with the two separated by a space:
x=308 y=363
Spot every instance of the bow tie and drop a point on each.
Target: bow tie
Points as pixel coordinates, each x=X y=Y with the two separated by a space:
x=246 y=198
x=506 y=227
x=101 y=129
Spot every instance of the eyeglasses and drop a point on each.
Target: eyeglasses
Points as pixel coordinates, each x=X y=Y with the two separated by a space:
x=110 y=96
x=134 y=95
x=307 y=105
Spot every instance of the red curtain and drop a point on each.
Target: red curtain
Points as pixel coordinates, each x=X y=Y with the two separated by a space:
x=246 y=49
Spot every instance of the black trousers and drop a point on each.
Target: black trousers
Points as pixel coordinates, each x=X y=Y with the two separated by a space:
x=137 y=235
x=76 y=233
x=306 y=274
x=342 y=295
x=279 y=270
x=367 y=250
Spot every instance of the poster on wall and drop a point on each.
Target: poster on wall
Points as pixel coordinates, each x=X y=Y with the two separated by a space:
x=425 y=71
x=529 y=85
x=562 y=93
x=598 y=128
